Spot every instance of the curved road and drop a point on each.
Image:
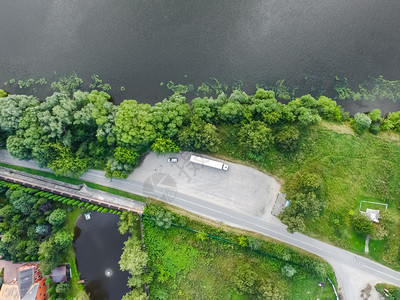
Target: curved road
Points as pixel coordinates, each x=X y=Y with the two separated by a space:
x=352 y=271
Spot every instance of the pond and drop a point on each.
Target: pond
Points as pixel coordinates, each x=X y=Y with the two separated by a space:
x=139 y=44
x=98 y=248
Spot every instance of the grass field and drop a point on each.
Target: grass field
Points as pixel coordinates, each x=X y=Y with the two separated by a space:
x=352 y=168
x=372 y=205
x=186 y=267
x=70 y=255
x=76 y=181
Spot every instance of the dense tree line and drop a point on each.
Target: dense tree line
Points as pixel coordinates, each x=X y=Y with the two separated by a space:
x=32 y=228
x=71 y=132
x=133 y=258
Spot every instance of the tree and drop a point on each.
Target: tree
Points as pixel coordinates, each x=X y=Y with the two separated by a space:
x=164 y=145
x=133 y=125
x=392 y=122
x=65 y=162
x=231 y=112
x=127 y=222
x=133 y=259
x=135 y=295
x=199 y=135
x=126 y=156
x=43 y=229
x=63 y=287
x=201 y=108
x=57 y=217
x=329 y=109
x=103 y=111
x=375 y=115
x=12 y=109
x=50 y=254
x=305 y=109
x=168 y=116
x=266 y=108
x=3 y=94
x=360 y=123
x=287 y=138
x=255 y=138
x=63 y=239
x=361 y=224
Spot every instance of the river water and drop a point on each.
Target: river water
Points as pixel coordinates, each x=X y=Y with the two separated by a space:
x=98 y=248
x=139 y=43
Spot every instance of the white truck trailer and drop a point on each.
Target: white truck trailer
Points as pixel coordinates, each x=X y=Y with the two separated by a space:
x=208 y=162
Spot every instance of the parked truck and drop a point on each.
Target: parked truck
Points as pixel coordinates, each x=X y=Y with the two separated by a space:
x=208 y=162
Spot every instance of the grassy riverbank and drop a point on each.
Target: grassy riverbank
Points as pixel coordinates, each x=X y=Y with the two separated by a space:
x=189 y=265
x=352 y=168
x=70 y=255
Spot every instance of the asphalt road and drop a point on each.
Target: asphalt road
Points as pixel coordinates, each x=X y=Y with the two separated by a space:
x=353 y=272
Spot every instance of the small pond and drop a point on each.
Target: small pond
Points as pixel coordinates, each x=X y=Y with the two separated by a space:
x=98 y=248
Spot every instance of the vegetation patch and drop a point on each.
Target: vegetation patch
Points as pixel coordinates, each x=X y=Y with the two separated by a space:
x=354 y=169
x=190 y=259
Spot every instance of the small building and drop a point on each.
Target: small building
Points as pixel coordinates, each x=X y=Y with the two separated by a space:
x=372 y=214
x=59 y=274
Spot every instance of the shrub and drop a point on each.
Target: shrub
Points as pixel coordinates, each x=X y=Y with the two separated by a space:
x=288 y=271
x=287 y=138
x=57 y=217
x=255 y=138
x=361 y=123
x=361 y=224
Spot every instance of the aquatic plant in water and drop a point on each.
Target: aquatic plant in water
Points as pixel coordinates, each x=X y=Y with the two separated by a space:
x=67 y=84
x=370 y=90
x=180 y=88
x=97 y=83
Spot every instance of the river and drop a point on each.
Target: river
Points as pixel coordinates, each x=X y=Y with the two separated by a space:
x=138 y=44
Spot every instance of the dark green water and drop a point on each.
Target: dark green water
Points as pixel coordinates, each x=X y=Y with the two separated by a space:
x=98 y=248
x=138 y=44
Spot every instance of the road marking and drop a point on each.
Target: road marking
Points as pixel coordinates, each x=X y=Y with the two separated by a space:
x=397 y=279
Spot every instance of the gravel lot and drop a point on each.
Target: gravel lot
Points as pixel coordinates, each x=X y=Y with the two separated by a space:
x=240 y=188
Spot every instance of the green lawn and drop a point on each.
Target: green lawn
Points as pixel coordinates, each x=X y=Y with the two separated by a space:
x=77 y=181
x=70 y=255
x=352 y=168
x=364 y=204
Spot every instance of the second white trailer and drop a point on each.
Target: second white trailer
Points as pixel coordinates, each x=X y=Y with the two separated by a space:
x=208 y=162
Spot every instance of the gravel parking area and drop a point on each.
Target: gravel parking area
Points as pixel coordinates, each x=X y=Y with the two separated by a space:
x=241 y=188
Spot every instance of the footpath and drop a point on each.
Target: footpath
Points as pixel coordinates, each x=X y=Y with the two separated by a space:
x=79 y=192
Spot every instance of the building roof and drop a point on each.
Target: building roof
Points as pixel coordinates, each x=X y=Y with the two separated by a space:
x=372 y=214
x=25 y=276
x=31 y=293
x=37 y=291
x=59 y=274
x=9 y=292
